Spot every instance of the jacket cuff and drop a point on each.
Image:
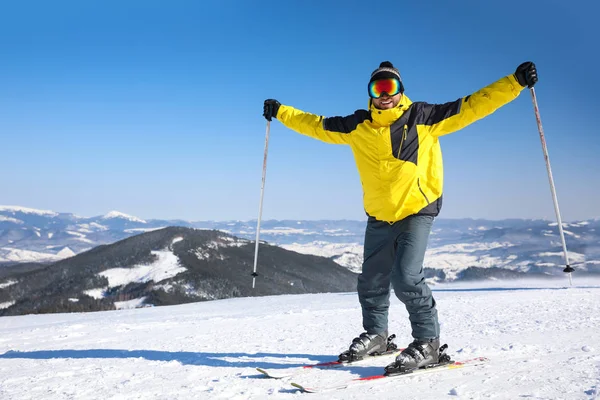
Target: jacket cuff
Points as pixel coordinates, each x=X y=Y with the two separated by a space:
x=517 y=87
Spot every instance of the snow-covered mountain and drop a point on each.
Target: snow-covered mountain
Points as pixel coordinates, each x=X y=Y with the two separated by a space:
x=29 y=235
x=459 y=249
x=169 y=266
x=116 y=215
x=543 y=342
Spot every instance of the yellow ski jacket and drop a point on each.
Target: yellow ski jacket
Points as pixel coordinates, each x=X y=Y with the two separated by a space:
x=397 y=151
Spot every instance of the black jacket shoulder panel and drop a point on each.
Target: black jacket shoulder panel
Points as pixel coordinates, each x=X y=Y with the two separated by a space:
x=346 y=124
x=431 y=114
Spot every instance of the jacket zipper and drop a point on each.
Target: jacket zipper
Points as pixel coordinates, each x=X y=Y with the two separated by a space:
x=402 y=140
x=421 y=190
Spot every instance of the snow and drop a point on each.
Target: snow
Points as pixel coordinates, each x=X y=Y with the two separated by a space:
x=337 y=232
x=120 y=215
x=8 y=254
x=228 y=241
x=573 y=256
x=203 y=253
x=188 y=289
x=65 y=253
x=451 y=258
x=352 y=261
x=541 y=338
x=142 y=230
x=454 y=258
x=348 y=255
x=571 y=234
x=6 y=305
x=24 y=210
x=8 y=283
x=87 y=228
x=78 y=234
x=96 y=293
x=284 y=230
x=166 y=266
x=9 y=219
x=324 y=249
x=129 y=304
x=98 y=226
x=80 y=237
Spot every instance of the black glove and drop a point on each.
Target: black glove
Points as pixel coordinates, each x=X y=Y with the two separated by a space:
x=270 y=109
x=526 y=74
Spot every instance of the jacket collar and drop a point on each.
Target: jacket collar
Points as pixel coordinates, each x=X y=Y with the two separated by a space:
x=388 y=117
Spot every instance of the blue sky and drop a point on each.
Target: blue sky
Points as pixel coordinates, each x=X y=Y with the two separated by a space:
x=153 y=108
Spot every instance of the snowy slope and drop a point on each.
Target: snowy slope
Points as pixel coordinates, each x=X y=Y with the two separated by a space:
x=544 y=343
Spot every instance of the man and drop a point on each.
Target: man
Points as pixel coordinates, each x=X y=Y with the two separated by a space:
x=397 y=152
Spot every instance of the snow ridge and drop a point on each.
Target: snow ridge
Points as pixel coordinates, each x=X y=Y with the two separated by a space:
x=25 y=210
x=120 y=215
x=9 y=219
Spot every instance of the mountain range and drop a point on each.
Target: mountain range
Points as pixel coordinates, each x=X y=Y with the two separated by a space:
x=59 y=262
x=165 y=267
x=518 y=245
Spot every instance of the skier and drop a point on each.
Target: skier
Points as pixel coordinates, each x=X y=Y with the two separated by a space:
x=396 y=147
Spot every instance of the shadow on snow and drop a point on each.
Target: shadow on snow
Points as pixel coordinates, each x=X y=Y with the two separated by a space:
x=238 y=360
x=508 y=288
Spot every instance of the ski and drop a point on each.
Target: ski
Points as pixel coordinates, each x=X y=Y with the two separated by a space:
x=282 y=373
x=288 y=372
x=384 y=378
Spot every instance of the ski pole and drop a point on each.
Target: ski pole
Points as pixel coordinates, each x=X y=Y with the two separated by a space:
x=568 y=269
x=260 y=207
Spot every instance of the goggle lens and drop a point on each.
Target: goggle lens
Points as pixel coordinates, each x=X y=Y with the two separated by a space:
x=379 y=87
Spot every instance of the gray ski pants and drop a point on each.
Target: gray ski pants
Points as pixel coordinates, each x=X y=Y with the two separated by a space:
x=393 y=254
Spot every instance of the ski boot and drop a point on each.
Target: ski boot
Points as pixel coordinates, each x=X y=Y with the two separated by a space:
x=419 y=354
x=368 y=345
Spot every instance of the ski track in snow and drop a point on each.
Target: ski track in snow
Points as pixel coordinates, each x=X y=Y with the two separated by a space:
x=543 y=344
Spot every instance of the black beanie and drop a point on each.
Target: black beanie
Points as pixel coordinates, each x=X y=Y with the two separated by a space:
x=386 y=70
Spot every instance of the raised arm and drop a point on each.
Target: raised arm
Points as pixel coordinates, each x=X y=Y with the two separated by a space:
x=329 y=130
x=442 y=119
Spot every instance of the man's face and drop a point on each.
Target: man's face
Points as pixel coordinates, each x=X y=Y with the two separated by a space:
x=386 y=102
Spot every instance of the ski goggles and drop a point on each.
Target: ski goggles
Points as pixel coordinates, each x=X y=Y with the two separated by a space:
x=390 y=86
